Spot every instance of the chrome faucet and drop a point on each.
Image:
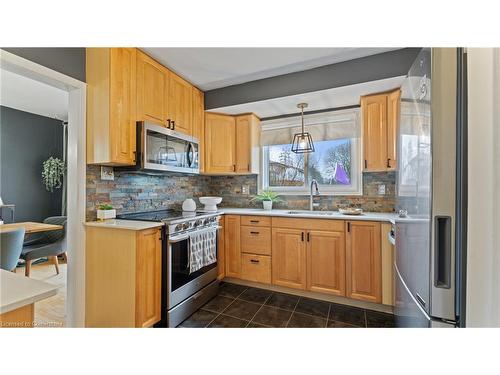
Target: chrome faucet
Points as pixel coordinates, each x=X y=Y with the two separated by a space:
x=311 y=204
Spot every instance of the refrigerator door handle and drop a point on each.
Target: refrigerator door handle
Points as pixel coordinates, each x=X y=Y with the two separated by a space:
x=442 y=252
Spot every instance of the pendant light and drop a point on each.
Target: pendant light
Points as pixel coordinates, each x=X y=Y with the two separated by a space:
x=302 y=142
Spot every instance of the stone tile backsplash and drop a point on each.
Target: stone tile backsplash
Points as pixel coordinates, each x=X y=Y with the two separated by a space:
x=132 y=191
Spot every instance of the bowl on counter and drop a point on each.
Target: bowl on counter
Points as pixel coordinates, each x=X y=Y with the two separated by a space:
x=210 y=203
x=351 y=211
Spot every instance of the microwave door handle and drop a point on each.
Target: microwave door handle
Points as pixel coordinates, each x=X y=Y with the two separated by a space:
x=190 y=154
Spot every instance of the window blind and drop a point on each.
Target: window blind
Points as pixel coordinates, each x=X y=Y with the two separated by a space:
x=322 y=127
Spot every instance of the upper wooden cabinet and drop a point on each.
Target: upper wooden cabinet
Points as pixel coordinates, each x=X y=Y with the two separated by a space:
x=247 y=144
x=231 y=144
x=111 y=105
x=289 y=258
x=326 y=262
x=380 y=114
x=180 y=110
x=220 y=143
x=232 y=245
x=198 y=124
x=363 y=261
x=152 y=90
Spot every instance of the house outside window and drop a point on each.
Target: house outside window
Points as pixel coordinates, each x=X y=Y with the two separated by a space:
x=335 y=164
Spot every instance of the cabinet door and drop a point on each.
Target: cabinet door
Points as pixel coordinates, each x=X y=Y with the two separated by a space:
x=221 y=250
x=243 y=144
x=326 y=262
x=374 y=110
x=232 y=244
x=363 y=261
x=393 y=105
x=198 y=124
x=180 y=104
x=219 y=143
x=148 y=278
x=152 y=90
x=289 y=258
x=122 y=105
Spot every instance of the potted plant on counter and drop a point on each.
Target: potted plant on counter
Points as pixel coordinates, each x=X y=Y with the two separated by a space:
x=106 y=211
x=267 y=197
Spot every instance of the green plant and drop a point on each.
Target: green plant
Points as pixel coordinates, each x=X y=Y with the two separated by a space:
x=267 y=195
x=52 y=173
x=105 y=207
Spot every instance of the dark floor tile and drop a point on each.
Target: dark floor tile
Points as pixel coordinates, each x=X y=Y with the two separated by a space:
x=375 y=319
x=218 y=304
x=272 y=316
x=242 y=309
x=299 y=320
x=283 y=301
x=335 y=324
x=224 y=321
x=256 y=325
x=231 y=290
x=255 y=295
x=347 y=314
x=313 y=307
x=199 y=319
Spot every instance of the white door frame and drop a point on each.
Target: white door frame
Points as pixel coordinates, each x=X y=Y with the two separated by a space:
x=76 y=177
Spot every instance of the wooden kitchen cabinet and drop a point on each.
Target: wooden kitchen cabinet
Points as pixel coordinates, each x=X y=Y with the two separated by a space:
x=256 y=268
x=180 y=109
x=152 y=90
x=363 y=261
x=247 y=144
x=289 y=258
x=122 y=277
x=111 y=106
x=220 y=143
x=232 y=245
x=326 y=262
x=380 y=113
x=198 y=124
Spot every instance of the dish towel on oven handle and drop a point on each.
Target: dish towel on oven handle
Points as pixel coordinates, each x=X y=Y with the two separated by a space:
x=202 y=249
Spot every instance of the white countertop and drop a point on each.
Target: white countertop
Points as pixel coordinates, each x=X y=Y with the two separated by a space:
x=334 y=215
x=18 y=290
x=124 y=224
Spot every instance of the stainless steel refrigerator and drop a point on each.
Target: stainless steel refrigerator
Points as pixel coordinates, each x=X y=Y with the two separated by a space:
x=430 y=234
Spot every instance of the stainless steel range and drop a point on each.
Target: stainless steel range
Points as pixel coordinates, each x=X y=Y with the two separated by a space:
x=183 y=290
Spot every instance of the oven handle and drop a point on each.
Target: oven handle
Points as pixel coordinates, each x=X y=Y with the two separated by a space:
x=178 y=239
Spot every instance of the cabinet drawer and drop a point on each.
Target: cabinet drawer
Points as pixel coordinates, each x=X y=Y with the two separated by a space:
x=256 y=240
x=257 y=221
x=334 y=225
x=256 y=268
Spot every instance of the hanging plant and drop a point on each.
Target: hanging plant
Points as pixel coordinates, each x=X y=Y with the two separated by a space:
x=53 y=172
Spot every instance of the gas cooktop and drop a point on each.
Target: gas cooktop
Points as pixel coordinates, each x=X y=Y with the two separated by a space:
x=165 y=216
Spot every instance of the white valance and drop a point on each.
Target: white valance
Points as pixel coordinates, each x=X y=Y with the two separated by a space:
x=322 y=127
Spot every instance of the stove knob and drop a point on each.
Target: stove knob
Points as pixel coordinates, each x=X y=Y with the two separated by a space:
x=185 y=226
x=178 y=227
x=198 y=222
x=206 y=221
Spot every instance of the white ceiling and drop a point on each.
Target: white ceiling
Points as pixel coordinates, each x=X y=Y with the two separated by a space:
x=29 y=95
x=211 y=68
x=331 y=98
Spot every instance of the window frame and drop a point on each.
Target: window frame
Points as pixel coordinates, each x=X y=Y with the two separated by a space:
x=339 y=190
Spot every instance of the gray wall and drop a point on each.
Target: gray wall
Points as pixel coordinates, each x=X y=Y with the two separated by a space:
x=69 y=61
x=26 y=140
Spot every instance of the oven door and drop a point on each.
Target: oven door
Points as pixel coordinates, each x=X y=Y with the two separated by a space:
x=180 y=283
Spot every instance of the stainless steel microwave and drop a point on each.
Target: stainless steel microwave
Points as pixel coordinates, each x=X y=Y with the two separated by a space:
x=162 y=149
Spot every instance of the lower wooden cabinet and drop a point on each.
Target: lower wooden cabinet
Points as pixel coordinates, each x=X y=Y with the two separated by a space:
x=122 y=277
x=289 y=258
x=256 y=268
x=232 y=245
x=326 y=262
x=363 y=261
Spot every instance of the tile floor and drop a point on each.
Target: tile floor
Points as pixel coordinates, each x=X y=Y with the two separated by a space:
x=238 y=306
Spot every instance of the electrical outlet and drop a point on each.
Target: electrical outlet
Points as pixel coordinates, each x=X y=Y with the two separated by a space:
x=381 y=190
x=245 y=190
x=107 y=173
